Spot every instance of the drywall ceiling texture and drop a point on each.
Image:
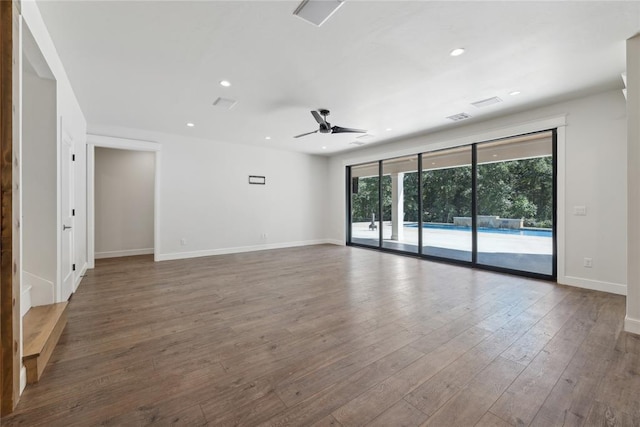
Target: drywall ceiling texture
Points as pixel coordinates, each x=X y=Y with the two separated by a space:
x=124 y=190
x=594 y=173
x=374 y=64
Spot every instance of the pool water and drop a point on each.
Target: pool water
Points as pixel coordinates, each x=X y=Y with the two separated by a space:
x=541 y=232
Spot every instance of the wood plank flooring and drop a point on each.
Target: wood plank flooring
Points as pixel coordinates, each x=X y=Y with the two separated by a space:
x=333 y=336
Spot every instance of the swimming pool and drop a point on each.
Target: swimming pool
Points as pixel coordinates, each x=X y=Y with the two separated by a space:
x=510 y=231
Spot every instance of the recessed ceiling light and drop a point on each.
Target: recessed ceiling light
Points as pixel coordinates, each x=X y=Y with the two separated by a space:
x=267 y=137
x=225 y=83
x=190 y=124
x=433 y=163
x=388 y=129
x=495 y=155
x=324 y=147
x=457 y=52
x=514 y=93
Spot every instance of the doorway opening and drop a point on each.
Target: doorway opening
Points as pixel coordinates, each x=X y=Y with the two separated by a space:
x=39 y=177
x=123 y=200
x=122 y=197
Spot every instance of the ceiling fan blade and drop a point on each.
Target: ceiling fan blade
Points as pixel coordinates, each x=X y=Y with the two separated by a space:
x=318 y=118
x=338 y=129
x=305 y=134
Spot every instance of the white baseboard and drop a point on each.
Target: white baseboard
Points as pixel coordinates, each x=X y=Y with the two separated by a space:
x=126 y=252
x=83 y=270
x=23 y=378
x=42 y=290
x=25 y=300
x=595 y=285
x=239 y=249
x=335 y=242
x=632 y=325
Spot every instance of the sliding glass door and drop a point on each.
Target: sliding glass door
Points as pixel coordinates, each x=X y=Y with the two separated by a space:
x=400 y=204
x=446 y=204
x=365 y=204
x=516 y=203
x=489 y=204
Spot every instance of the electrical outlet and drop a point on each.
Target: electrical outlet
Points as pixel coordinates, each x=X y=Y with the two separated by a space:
x=183 y=241
x=580 y=210
x=588 y=262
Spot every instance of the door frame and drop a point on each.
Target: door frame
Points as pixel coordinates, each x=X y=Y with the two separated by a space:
x=437 y=142
x=121 y=144
x=65 y=136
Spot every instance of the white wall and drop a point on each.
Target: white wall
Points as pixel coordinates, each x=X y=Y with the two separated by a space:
x=205 y=197
x=594 y=175
x=632 y=320
x=39 y=171
x=124 y=186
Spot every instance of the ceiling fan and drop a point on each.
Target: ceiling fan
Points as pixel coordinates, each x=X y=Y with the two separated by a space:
x=325 y=126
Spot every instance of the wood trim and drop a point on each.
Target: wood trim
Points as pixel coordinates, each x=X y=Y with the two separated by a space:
x=9 y=310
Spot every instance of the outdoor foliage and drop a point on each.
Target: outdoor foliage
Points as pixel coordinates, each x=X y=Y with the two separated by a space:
x=513 y=189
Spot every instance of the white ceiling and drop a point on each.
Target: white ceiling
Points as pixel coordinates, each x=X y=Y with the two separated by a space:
x=374 y=64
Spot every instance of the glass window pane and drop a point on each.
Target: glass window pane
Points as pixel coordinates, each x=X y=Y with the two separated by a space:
x=364 y=204
x=446 y=203
x=400 y=204
x=515 y=203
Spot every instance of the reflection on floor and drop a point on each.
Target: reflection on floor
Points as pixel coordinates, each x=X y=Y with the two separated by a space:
x=532 y=263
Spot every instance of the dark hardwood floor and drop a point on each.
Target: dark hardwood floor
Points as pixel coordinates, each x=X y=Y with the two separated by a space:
x=333 y=336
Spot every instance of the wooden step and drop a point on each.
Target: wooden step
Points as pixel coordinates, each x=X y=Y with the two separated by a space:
x=42 y=327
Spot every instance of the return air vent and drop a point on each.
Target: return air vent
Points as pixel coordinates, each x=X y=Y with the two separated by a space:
x=486 y=102
x=224 y=103
x=459 y=117
x=317 y=12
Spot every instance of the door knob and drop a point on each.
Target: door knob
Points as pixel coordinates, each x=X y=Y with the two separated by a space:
x=65 y=227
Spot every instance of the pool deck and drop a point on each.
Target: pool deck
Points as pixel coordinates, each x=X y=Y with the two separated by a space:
x=512 y=251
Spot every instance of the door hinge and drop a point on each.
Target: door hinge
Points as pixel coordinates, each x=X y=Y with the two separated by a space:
x=73 y=157
x=73 y=267
x=73 y=212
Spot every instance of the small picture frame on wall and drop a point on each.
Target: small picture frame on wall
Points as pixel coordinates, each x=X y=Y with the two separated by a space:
x=255 y=179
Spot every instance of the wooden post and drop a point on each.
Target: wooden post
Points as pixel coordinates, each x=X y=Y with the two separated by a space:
x=9 y=309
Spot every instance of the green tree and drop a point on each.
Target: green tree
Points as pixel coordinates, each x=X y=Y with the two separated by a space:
x=511 y=189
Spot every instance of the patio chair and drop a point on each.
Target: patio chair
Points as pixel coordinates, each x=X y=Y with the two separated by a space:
x=373 y=225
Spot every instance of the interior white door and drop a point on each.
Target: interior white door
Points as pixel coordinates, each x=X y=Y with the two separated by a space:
x=67 y=215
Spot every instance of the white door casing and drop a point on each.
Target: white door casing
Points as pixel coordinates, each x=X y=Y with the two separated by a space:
x=66 y=215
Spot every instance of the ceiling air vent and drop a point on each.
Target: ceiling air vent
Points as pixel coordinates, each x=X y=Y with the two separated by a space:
x=317 y=12
x=224 y=103
x=486 y=102
x=358 y=143
x=459 y=117
x=365 y=137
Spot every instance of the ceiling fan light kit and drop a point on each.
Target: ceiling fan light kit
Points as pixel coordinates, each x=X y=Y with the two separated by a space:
x=325 y=127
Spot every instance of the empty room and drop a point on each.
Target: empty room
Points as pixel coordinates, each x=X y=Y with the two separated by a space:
x=320 y=213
